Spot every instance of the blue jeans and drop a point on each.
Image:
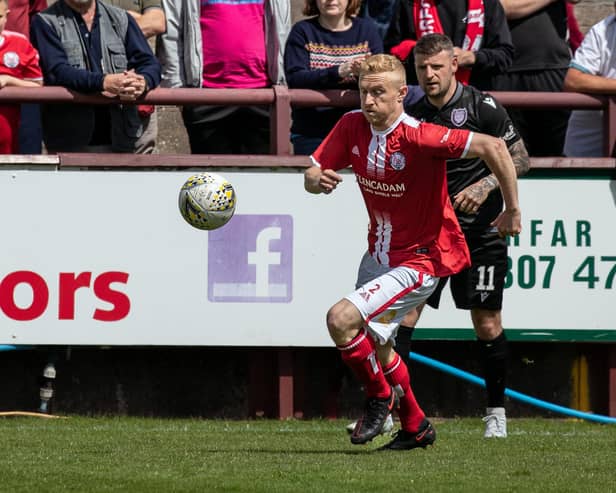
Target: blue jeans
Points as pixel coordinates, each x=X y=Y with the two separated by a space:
x=30 y=131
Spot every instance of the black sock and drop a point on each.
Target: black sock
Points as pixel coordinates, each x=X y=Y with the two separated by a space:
x=494 y=356
x=403 y=342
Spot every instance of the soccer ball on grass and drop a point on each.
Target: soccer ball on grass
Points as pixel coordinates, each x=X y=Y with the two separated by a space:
x=207 y=201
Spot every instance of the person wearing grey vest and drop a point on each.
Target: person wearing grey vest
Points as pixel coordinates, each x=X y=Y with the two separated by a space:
x=92 y=47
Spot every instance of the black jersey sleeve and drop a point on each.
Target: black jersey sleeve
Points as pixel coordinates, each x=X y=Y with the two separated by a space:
x=494 y=119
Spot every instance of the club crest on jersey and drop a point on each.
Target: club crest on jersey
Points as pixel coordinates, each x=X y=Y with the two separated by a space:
x=397 y=161
x=10 y=59
x=459 y=116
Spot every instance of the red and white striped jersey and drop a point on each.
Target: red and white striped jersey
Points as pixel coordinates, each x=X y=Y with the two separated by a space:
x=401 y=173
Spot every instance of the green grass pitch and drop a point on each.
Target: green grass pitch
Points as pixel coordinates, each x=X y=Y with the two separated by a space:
x=80 y=454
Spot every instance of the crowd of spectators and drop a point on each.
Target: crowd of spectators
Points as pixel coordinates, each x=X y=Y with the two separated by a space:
x=101 y=46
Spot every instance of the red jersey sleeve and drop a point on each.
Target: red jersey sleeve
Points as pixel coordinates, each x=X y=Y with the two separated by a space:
x=443 y=142
x=333 y=152
x=31 y=67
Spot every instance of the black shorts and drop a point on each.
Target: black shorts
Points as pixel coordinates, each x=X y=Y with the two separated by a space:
x=482 y=284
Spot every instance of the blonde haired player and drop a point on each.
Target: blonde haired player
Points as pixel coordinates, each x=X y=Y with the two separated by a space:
x=413 y=239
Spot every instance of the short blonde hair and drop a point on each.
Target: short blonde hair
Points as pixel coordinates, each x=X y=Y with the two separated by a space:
x=380 y=63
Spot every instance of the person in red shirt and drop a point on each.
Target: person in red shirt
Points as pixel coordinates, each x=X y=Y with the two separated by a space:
x=413 y=239
x=30 y=131
x=19 y=67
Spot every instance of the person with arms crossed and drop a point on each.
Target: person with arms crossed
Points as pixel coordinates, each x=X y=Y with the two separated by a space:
x=399 y=164
x=19 y=67
x=473 y=190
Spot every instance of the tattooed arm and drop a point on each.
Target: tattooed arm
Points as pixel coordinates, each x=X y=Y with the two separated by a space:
x=472 y=197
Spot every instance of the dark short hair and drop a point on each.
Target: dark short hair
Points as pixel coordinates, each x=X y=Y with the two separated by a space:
x=431 y=44
x=310 y=7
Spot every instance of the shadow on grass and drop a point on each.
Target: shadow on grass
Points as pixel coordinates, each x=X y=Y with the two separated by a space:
x=277 y=451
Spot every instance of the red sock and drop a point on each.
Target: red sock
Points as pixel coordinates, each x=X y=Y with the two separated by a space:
x=360 y=355
x=397 y=375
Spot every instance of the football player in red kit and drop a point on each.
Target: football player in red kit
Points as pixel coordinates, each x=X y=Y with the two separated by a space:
x=414 y=237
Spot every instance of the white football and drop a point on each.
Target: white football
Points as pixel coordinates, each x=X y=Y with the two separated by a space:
x=207 y=201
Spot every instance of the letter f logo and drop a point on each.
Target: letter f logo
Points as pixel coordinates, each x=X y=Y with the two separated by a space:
x=251 y=260
x=262 y=258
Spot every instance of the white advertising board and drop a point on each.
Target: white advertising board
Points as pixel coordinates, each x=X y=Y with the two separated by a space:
x=104 y=258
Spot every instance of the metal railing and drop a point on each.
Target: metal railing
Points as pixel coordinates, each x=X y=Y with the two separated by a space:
x=280 y=99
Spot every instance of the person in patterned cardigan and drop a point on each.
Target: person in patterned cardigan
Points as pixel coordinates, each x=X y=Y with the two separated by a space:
x=324 y=52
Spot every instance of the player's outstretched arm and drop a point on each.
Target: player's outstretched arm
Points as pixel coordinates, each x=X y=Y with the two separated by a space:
x=471 y=198
x=317 y=180
x=494 y=153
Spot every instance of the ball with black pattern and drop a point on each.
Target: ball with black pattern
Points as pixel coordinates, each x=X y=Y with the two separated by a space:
x=207 y=201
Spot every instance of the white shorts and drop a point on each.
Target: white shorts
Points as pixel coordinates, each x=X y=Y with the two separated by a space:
x=385 y=295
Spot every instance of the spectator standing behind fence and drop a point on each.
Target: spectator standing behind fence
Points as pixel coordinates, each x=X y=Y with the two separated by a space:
x=232 y=44
x=478 y=29
x=19 y=67
x=92 y=47
x=324 y=52
x=150 y=18
x=539 y=34
x=592 y=70
x=30 y=133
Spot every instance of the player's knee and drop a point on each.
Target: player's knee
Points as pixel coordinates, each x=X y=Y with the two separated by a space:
x=487 y=323
x=342 y=323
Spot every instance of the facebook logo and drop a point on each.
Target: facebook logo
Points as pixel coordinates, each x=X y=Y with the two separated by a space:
x=251 y=260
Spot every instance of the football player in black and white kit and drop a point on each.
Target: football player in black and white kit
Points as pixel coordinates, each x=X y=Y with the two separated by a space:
x=473 y=190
